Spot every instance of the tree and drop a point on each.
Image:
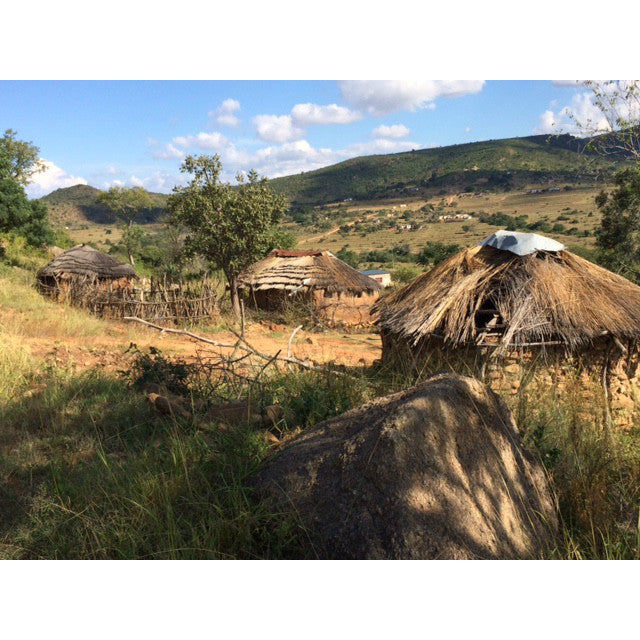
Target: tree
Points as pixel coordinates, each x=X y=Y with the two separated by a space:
x=435 y=252
x=19 y=160
x=618 y=236
x=21 y=216
x=126 y=204
x=616 y=128
x=231 y=227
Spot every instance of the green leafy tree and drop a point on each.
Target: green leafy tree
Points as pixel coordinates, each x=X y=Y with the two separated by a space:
x=20 y=215
x=127 y=204
x=615 y=130
x=231 y=227
x=618 y=236
x=350 y=257
x=435 y=252
x=19 y=160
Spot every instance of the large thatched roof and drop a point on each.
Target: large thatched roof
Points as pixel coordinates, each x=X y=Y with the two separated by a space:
x=83 y=260
x=304 y=270
x=485 y=295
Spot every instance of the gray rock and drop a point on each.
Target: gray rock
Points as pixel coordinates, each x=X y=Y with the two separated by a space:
x=435 y=471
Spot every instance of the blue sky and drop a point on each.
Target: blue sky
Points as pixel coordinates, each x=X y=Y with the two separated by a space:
x=106 y=133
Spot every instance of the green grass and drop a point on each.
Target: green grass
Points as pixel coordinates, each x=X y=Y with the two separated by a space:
x=89 y=471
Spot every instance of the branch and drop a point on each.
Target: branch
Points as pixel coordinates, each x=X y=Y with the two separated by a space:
x=242 y=344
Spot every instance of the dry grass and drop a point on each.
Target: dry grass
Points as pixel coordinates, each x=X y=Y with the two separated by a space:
x=536 y=207
x=541 y=297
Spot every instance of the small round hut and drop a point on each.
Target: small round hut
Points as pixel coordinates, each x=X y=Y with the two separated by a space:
x=330 y=288
x=515 y=303
x=82 y=270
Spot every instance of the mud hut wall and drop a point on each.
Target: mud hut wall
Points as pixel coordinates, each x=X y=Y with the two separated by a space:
x=604 y=360
x=345 y=307
x=76 y=288
x=336 y=308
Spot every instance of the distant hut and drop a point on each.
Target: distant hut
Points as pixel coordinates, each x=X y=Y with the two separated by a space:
x=519 y=299
x=84 y=268
x=379 y=275
x=333 y=290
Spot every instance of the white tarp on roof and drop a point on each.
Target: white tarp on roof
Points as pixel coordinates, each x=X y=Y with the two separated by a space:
x=521 y=244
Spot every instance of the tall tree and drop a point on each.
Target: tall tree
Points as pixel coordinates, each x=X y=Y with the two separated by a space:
x=230 y=226
x=19 y=160
x=127 y=204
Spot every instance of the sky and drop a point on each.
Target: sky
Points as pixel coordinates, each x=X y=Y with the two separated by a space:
x=137 y=133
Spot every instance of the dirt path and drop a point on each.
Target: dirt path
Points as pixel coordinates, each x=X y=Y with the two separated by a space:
x=109 y=350
x=330 y=232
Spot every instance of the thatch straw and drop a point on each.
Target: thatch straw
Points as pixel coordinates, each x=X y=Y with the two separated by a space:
x=543 y=297
x=83 y=260
x=306 y=270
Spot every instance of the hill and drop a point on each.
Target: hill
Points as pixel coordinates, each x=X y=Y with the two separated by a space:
x=78 y=204
x=489 y=166
x=494 y=165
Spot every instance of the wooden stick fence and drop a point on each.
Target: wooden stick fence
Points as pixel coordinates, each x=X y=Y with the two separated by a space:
x=175 y=302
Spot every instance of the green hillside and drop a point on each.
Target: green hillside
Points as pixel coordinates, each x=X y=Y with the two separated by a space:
x=494 y=165
x=80 y=204
x=490 y=166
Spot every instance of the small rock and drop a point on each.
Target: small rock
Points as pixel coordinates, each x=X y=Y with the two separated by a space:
x=270 y=438
x=166 y=407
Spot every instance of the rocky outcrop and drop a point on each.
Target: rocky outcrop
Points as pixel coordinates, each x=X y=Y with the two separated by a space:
x=436 y=471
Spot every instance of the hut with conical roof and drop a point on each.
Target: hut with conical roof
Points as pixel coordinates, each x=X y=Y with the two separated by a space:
x=81 y=268
x=329 y=287
x=514 y=301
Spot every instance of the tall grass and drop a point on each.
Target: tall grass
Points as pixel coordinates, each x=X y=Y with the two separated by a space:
x=594 y=469
x=88 y=470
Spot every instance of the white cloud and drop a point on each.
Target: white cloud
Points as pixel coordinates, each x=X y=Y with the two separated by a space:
x=309 y=114
x=158 y=182
x=393 y=131
x=377 y=146
x=565 y=83
x=169 y=152
x=52 y=178
x=582 y=116
x=290 y=158
x=379 y=97
x=224 y=114
x=202 y=140
x=277 y=128
x=581 y=110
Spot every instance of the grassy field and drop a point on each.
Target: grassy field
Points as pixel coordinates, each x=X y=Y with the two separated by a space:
x=89 y=470
x=575 y=208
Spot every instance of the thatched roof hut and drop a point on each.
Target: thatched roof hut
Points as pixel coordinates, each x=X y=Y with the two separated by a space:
x=329 y=284
x=87 y=262
x=305 y=270
x=515 y=301
x=77 y=274
x=539 y=298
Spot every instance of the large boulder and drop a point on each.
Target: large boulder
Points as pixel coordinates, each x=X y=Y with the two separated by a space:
x=435 y=471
